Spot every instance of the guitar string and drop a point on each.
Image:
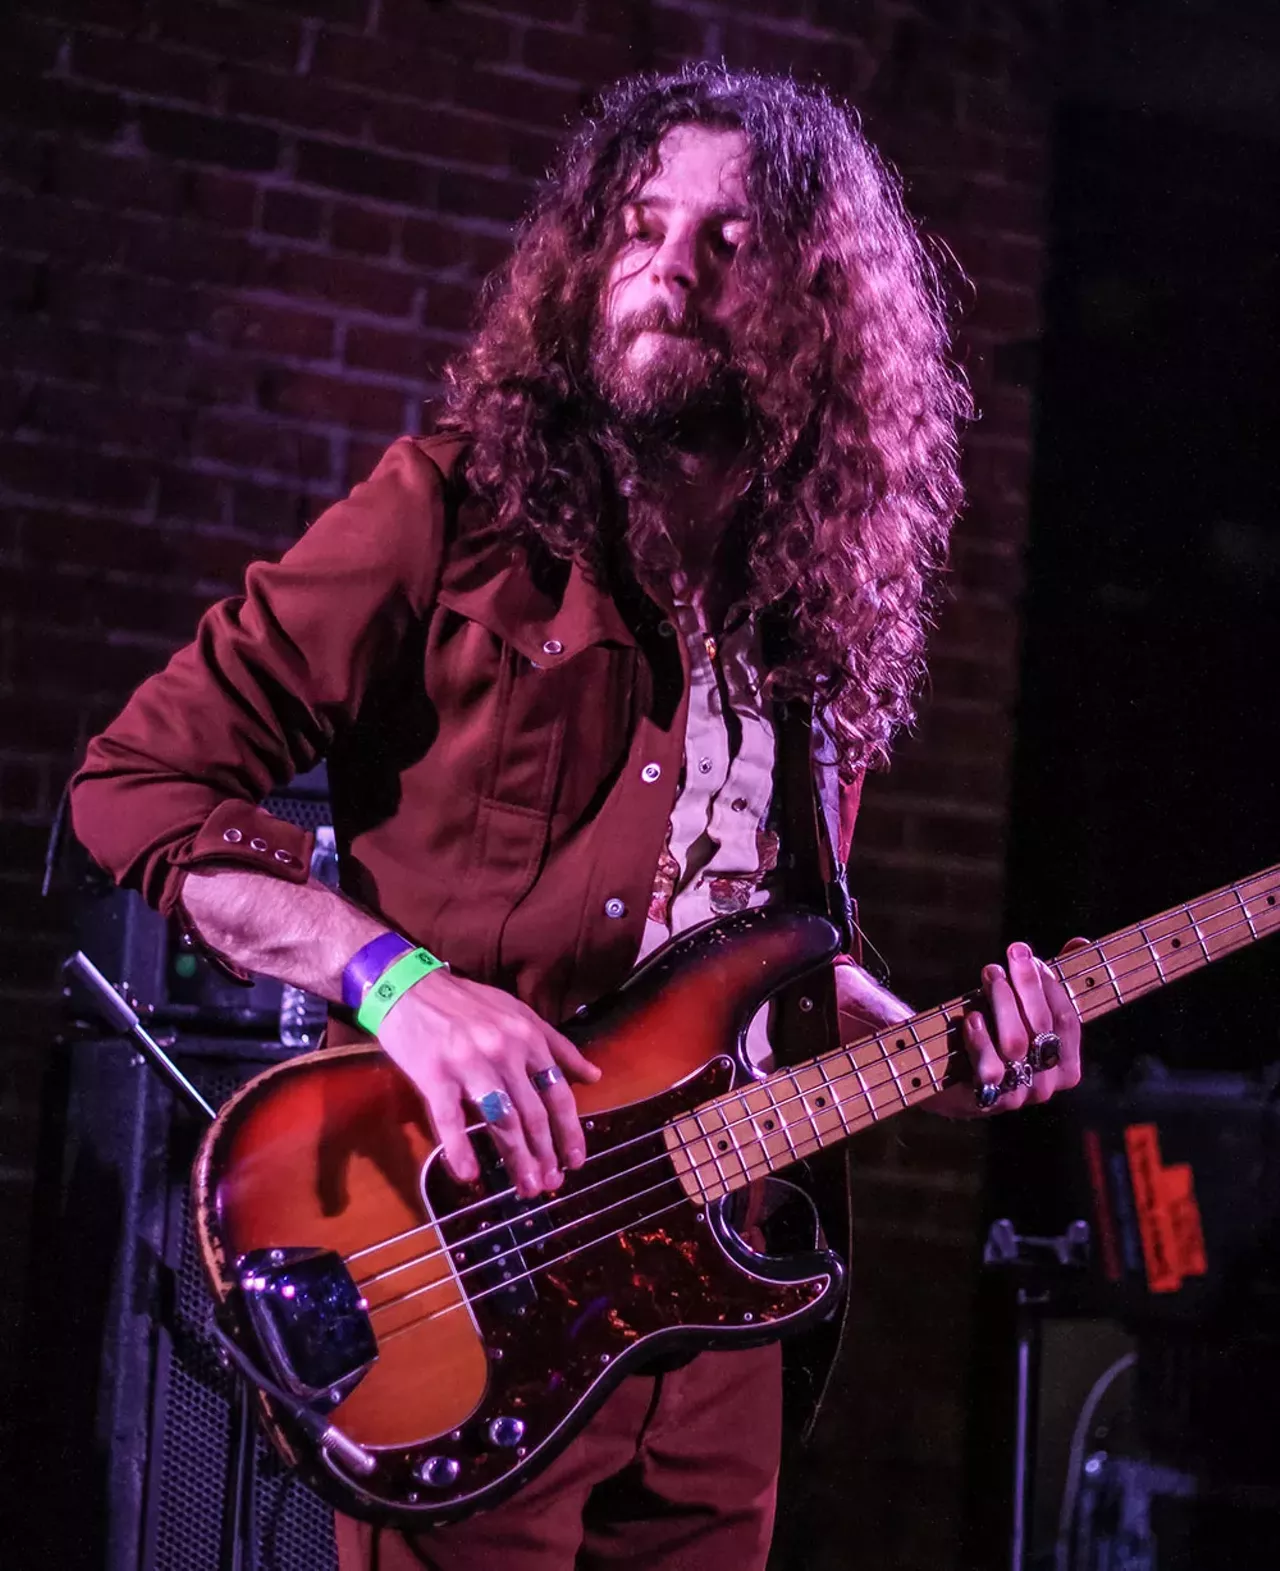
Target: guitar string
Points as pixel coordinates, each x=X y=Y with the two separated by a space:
x=751 y=1165
x=942 y=1011
x=829 y=1083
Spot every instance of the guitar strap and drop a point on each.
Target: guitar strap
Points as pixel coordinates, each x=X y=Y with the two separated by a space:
x=805 y=1021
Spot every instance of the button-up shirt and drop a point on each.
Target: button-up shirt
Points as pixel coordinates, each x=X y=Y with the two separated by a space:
x=504 y=738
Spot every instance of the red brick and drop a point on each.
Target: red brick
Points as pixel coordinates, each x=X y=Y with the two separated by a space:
x=177 y=371
x=276 y=515
x=273 y=330
x=263 y=444
x=120 y=302
x=219 y=199
x=361 y=230
x=343 y=281
x=1004 y=209
x=62 y=660
x=195 y=498
x=290 y=213
x=415 y=356
x=50 y=349
x=26 y=160
x=32 y=43
x=306 y=395
x=231 y=33
x=22 y=283
x=140 y=67
x=102 y=419
x=362 y=173
x=388 y=68
x=207 y=139
x=516 y=100
x=342 y=13
x=438 y=134
x=46 y=103
x=445 y=30
x=190 y=254
x=429 y=243
x=474 y=196
x=593 y=58
x=451 y=307
x=297 y=101
x=533 y=154
x=87 y=174
x=70 y=474
x=362 y=460
x=1010 y=313
x=488 y=252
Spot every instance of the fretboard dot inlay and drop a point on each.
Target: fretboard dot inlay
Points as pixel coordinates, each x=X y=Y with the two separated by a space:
x=915 y=1082
x=722 y=1145
x=768 y=1123
x=1089 y=981
x=1177 y=943
x=820 y=1101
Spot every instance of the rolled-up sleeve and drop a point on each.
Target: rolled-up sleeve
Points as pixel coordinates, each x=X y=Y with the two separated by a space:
x=256 y=698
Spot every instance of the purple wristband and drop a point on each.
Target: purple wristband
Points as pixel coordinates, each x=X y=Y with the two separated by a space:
x=367 y=965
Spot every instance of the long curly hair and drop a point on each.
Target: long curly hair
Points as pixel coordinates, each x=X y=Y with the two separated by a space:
x=842 y=355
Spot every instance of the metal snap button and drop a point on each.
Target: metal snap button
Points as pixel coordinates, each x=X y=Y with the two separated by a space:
x=553 y=646
x=232 y=836
x=704 y=766
x=740 y=804
x=650 y=773
x=257 y=845
x=615 y=907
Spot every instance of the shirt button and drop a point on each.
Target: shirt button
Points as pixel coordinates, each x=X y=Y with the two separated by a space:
x=257 y=845
x=740 y=804
x=553 y=646
x=615 y=907
x=666 y=629
x=232 y=836
x=704 y=766
x=650 y=773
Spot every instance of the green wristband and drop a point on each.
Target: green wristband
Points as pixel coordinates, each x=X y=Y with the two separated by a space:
x=392 y=985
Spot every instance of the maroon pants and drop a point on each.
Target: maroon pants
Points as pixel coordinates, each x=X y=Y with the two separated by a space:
x=675 y=1472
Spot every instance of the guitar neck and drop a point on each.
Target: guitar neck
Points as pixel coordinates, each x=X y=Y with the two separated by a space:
x=743 y=1135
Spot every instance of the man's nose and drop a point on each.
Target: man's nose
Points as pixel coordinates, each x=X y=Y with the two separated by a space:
x=675 y=264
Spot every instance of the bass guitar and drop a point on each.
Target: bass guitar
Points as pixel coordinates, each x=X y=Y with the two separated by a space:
x=423 y=1346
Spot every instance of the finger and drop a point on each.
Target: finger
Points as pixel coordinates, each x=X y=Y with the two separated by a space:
x=537 y=1131
x=508 y=1137
x=1026 y=979
x=569 y=1057
x=1066 y=1023
x=1011 y=1037
x=562 y=1112
x=988 y=1066
x=443 y=1102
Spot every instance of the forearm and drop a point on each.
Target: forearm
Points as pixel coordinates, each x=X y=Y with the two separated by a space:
x=864 y=1005
x=298 y=933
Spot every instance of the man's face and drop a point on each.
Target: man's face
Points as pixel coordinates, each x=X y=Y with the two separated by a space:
x=671 y=292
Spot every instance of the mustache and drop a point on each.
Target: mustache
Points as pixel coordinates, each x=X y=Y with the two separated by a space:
x=659 y=318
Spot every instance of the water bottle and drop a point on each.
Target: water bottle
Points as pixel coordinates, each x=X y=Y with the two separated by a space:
x=303 y=1016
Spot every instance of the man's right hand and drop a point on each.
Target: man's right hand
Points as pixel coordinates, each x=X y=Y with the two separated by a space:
x=457 y=1041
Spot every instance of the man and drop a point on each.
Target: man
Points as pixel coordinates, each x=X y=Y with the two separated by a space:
x=699 y=460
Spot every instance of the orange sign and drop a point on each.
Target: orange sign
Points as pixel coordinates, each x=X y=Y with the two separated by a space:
x=1168 y=1216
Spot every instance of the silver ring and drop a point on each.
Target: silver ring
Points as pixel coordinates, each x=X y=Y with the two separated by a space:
x=544 y=1079
x=1045 y=1051
x=494 y=1106
x=1018 y=1077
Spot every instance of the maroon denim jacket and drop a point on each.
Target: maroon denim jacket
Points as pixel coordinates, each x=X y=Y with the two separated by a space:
x=504 y=745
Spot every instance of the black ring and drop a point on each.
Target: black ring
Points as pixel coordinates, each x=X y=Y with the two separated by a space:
x=1045 y=1051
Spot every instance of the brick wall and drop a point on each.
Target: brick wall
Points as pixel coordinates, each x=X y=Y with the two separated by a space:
x=236 y=241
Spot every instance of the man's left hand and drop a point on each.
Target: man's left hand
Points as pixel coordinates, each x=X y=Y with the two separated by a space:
x=1023 y=1001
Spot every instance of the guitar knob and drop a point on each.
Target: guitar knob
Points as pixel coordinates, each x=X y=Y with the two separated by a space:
x=506 y=1432
x=438 y=1471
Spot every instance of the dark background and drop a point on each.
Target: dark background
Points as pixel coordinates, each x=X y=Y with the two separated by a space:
x=237 y=238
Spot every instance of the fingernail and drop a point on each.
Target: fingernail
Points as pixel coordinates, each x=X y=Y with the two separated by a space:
x=992 y=973
x=1020 y=951
x=553 y=1178
x=576 y=1157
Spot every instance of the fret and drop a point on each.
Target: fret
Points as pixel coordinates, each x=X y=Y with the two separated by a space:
x=719 y=1141
x=1217 y=918
x=867 y=1098
x=1236 y=891
x=683 y=1140
x=1153 y=952
x=768 y=1125
x=834 y=1099
x=1168 y=937
x=1261 y=899
x=784 y=1113
x=1195 y=928
x=1079 y=974
x=891 y=1059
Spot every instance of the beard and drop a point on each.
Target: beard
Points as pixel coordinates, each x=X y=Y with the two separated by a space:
x=683 y=386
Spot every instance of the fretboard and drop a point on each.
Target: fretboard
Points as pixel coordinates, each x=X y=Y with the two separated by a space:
x=724 y=1144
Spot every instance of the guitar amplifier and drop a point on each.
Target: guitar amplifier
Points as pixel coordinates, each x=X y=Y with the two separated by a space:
x=133 y=1419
